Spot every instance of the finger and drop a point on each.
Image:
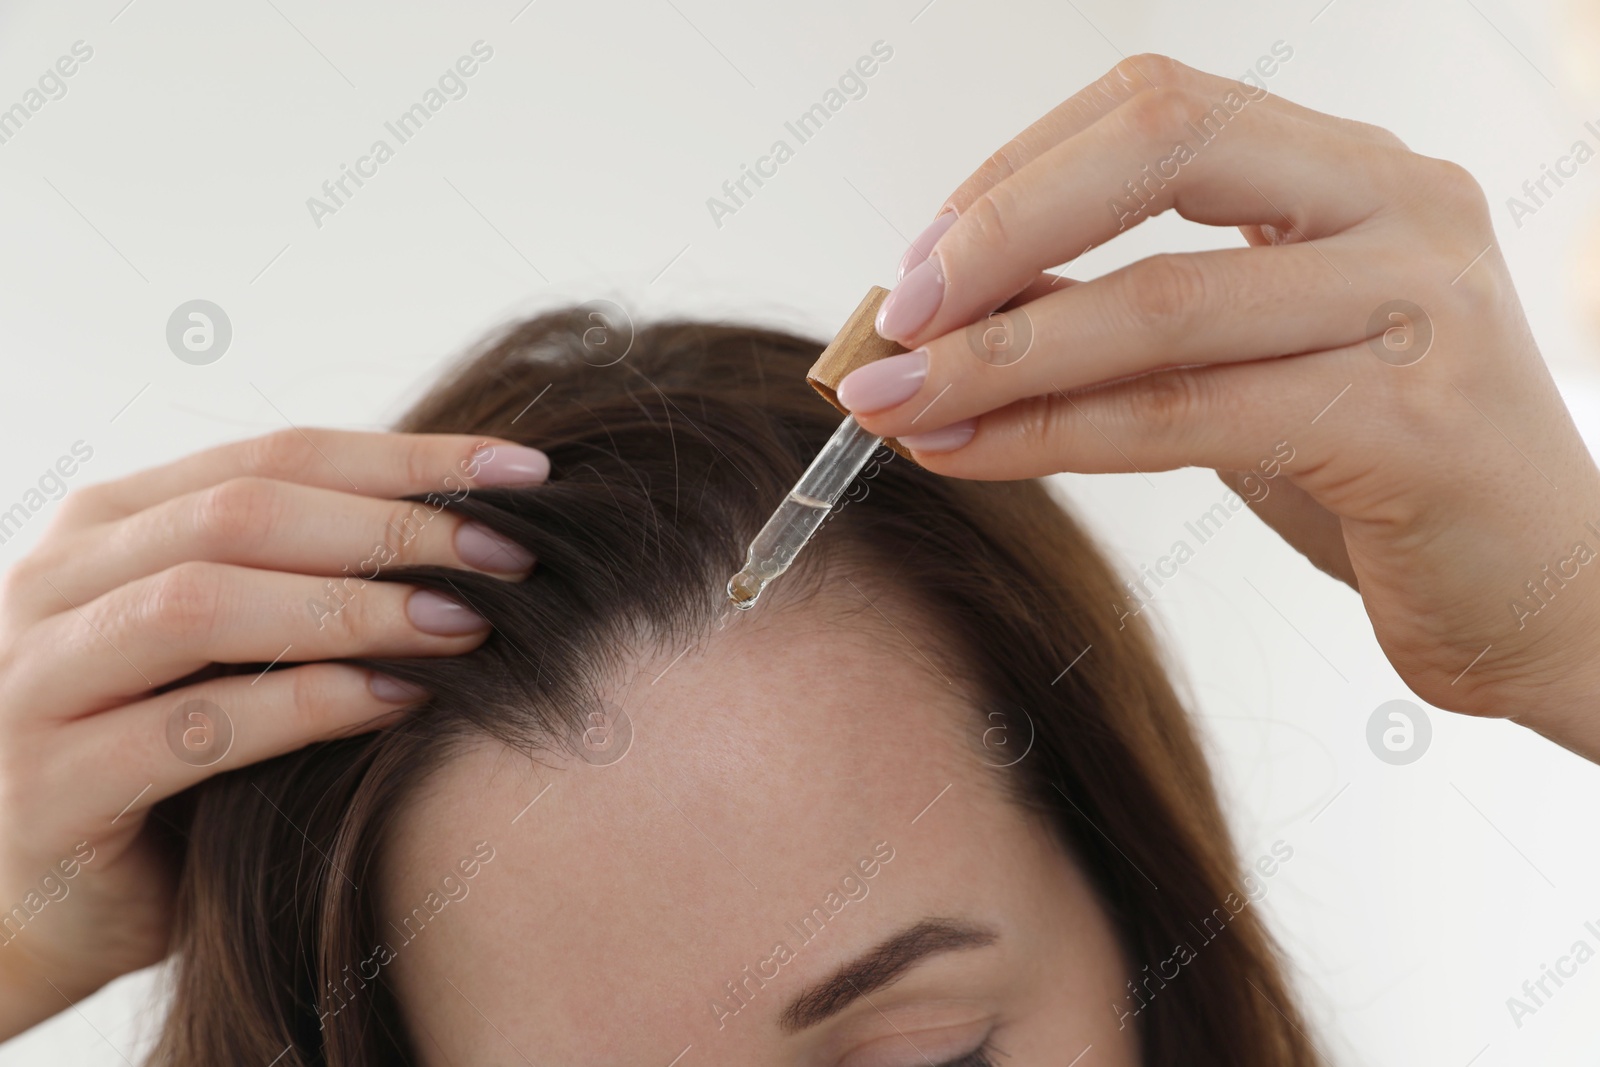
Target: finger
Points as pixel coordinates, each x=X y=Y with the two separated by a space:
x=369 y=464
x=1045 y=284
x=152 y=749
x=1259 y=416
x=1262 y=167
x=1116 y=87
x=1230 y=305
x=162 y=628
x=259 y=523
x=1067 y=119
x=1314 y=531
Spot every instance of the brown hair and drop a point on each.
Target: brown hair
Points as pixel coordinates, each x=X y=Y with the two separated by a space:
x=664 y=465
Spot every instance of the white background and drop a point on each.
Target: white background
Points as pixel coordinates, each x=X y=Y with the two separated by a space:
x=178 y=165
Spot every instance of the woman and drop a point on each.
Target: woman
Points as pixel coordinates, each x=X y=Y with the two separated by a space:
x=761 y=874
x=722 y=810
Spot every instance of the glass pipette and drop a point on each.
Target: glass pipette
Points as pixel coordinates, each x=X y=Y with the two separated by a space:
x=803 y=510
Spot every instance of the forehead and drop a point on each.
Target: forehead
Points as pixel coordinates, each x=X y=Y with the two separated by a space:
x=768 y=767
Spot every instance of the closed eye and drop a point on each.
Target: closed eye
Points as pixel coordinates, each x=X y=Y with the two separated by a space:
x=978 y=1057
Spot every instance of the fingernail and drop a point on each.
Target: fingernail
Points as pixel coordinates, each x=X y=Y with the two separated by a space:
x=884 y=383
x=487 y=550
x=913 y=302
x=509 y=465
x=435 y=613
x=946 y=439
x=923 y=245
x=393 y=690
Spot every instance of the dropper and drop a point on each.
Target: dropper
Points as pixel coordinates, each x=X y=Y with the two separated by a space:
x=803 y=510
x=836 y=466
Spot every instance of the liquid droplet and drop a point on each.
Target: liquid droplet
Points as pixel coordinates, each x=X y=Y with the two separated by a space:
x=743 y=589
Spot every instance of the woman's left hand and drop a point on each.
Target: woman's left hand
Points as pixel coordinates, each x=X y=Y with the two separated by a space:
x=1362 y=374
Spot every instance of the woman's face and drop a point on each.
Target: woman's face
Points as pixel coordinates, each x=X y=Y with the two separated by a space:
x=801 y=859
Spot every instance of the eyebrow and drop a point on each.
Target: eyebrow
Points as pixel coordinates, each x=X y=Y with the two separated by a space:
x=879 y=966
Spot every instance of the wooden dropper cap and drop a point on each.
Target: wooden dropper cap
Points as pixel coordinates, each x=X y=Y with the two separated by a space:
x=856 y=345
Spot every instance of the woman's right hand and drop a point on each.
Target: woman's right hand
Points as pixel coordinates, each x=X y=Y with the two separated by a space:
x=248 y=553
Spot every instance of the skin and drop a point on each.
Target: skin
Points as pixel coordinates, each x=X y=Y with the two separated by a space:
x=622 y=894
x=143 y=581
x=1437 y=490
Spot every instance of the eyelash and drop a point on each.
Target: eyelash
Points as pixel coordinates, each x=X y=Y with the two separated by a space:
x=978 y=1057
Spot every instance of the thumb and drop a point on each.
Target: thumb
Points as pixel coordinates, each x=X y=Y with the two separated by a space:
x=1314 y=531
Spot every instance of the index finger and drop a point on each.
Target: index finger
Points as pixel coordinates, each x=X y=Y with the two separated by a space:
x=1072 y=116
x=1078 y=196
x=369 y=464
x=1117 y=86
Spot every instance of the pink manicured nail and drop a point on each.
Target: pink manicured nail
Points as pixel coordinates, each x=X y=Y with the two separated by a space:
x=435 y=613
x=946 y=439
x=393 y=690
x=509 y=465
x=924 y=243
x=487 y=550
x=913 y=302
x=884 y=383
